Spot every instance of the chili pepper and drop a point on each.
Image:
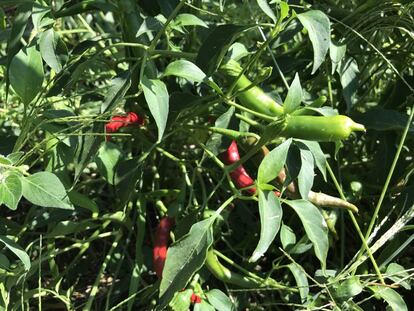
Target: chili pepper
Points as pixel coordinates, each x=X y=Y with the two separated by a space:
x=239 y=175
x=195 y=298
x=162 y=236
x=253 y=97
x=227 y=276
x=320 y=128
x=118 y=122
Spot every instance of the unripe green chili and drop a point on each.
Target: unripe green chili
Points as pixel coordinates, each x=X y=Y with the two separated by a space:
x=253 y=97
x=320 y=128
x=225 y=275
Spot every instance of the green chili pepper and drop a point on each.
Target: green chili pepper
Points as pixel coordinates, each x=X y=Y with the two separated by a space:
x=253 y=97
x=225 y=275
x=320 y=128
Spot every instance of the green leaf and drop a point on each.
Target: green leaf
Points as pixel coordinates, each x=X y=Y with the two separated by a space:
x=107 y=159
x=4 y=262
x=348 y=72
x=216 y=140
x=10 y=190
x=319 y=29
x=185 y=69
x=273 y=163
x=203 y=306
x=181 y=300
x=219 y=300
x=391 y=297
x=398 y=274
x=45 y=189
x=294 y=96
x=306 y=172
x=26 y=73
x=156 y=95
x=315 y=227
x=22 y=15
x=301 y=281
x=349 y=288
x=287 y=236
x=318 y=155
x=53 y=50
x=270 y=218
x=216 y=45
x=186 y=19
x=264 y=6
x=381 y=119
x=17 y=250
x=336 y=53
x=184 y=258
x=88 y=146
x=119 y=86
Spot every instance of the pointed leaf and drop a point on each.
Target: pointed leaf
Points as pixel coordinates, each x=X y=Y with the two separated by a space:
x=156 y=95
x=17 y=250
x=219 y=300
x=306 y=173
x=270 y=218
x=185 y=69
x=319 y=29
x=273 y=163
x=264 y=6
x=184 y=258
x=53 y=49
x=301 y=281
x=119 y=86
x=294 y=96
x=391 y=297
x=315 y=227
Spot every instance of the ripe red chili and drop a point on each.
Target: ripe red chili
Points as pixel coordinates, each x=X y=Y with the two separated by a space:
x=118 y=122
x=239 y=175
x=162 y=237
x=195 y=298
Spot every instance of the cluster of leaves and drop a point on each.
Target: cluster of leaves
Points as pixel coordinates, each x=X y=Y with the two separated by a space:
x=79 y=212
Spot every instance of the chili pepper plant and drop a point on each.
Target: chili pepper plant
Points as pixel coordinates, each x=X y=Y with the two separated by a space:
x=206 y=155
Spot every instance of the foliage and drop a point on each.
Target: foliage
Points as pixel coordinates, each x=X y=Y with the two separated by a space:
x=79 y=207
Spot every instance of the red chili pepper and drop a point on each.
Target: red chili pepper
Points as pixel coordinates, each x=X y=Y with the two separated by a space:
x=239 y=175
x=195 y=298
x=118 y=122
x=162 y=237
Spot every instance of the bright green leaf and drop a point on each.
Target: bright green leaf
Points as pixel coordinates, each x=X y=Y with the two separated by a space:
x=185 y=69
x=10 y=190
x=17 y=250
x=219 y=300
x=270 y=218
x=53 y=49
x=294 y=96
x=273 y=163
x=319 y=29
x=45 y=189
x=156 y=95
x=26 y=73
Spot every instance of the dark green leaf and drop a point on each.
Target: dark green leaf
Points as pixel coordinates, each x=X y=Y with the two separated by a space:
x=215 y=143
x=348 y=72
x=107 y=159
x=306 y=173
x=117 y=91
x=215 y=47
